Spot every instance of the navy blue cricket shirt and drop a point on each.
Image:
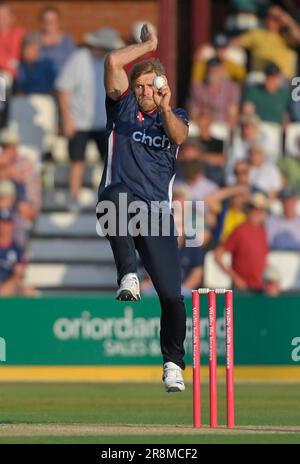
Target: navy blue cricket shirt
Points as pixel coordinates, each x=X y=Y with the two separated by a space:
x=140 y=154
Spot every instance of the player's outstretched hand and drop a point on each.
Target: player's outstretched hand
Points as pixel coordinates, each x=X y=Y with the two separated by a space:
x=149 y=35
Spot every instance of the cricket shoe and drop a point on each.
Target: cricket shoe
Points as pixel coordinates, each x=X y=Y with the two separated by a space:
x=172 y=378
x=129 y=289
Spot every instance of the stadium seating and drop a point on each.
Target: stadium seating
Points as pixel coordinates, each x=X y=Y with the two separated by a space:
x=219 y=130
x=36 y=118
x=66 y=255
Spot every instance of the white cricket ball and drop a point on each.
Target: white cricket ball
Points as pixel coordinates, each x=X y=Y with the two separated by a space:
x=159 y=82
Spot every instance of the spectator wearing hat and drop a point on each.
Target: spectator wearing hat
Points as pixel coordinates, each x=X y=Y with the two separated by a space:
x=270 y=100
x=248 y=247
x=274 y=42
x=235 y=71
x=290 y=169
x=217 y=92
x=81 y=98
x=36 y=74
x=271 y=280
x=264 y=175
x=284 y=230
x=56 y=46
x=12 y=260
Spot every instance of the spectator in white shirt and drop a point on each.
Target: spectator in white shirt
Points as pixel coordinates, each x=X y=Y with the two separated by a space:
x=283 y=231
x=264 y=175
x=81 y=98
x=250 y=133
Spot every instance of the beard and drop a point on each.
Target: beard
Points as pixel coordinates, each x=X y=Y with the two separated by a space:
x=147 y=105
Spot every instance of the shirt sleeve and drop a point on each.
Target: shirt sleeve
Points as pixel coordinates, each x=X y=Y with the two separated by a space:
x=182 y=114
x=115 y=108
x=247 y=94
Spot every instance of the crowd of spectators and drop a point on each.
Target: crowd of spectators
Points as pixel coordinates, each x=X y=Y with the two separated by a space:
x=234 y=160
x=44 y=63
x=240 y=104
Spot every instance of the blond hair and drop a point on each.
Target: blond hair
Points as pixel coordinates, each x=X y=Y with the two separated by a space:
x=146 y=67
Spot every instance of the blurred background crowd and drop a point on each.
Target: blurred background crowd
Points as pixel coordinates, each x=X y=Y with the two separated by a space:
x=242 y=157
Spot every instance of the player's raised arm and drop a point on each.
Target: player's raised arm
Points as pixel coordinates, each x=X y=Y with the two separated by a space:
x=115 y=78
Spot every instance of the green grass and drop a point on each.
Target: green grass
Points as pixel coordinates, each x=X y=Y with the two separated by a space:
x=153 y=439
x=38 y=403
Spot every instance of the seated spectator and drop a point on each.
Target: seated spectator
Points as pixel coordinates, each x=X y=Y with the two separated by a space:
x=217 y=92
x=242 y=173
x=283 y=231
x=248 y=246
x=264 y=176
x=191 y=258
x=271 y=280
x=11 y=37
x=36 y=75
x=21 y=171
x=12 y=199
x=189 y=150
x=244 y=15
x=235 y=71
x=269 y=100
x=12 y=262
x=250 y=133
x=273 y=43
x=56 y=46
x=9 y=196
x=211 y=148
x=81 y=96
x=193 y=176
x=257 y=7
x=290 y=169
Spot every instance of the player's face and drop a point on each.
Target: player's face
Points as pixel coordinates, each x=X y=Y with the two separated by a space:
x=143 y=89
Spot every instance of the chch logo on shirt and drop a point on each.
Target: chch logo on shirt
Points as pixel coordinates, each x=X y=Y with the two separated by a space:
x=156 y=142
